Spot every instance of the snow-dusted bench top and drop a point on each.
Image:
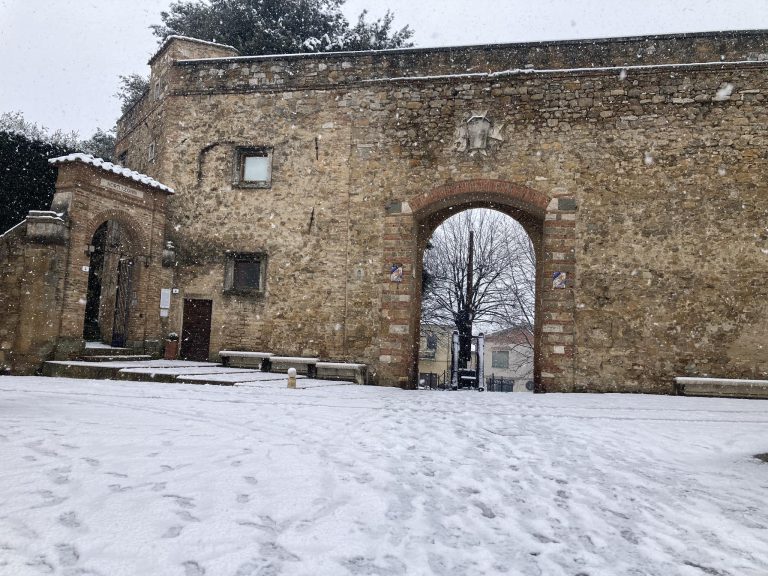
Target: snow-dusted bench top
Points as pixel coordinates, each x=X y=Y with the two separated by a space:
x=245 y=359
x=724 y=381
x=340 y=365
x=705 y=386
x=294 y=360
x=245 y=354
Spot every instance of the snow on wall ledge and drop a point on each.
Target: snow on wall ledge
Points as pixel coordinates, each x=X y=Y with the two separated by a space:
x=114 y=168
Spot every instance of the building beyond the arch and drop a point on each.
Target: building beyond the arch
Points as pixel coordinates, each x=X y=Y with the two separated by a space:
x=304 y=185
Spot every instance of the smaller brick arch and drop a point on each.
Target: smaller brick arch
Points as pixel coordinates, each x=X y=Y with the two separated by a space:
x=138 y=238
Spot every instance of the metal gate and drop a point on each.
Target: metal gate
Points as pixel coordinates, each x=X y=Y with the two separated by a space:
x=122 y=303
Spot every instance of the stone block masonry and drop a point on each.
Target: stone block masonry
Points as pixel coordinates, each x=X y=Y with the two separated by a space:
x=637 y=166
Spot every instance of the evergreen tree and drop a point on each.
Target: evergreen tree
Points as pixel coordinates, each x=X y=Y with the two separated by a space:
x=132 y=88
x=27 y=180
x=279 y=26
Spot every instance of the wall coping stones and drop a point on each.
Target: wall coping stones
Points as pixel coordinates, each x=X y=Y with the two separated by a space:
x=689 y=37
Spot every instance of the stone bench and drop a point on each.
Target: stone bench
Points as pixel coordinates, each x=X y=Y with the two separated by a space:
x=302 y=364
x=358 y=373
x=244 y=359
x=721 y=387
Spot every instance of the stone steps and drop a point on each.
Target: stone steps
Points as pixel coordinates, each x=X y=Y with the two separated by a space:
x=161 y=371
x=104 y=350
x=112 y=358
x=721 y=387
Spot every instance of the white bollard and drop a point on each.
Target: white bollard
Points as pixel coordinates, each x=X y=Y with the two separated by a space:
x=291 y=377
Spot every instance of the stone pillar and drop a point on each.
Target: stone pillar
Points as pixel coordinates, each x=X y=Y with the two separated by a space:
x=398 y=324
x=41 y=290
x=558 y=276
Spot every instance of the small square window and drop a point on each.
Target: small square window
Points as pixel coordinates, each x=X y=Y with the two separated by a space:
x=500 y=359
x=253 y=167
x=245 y=273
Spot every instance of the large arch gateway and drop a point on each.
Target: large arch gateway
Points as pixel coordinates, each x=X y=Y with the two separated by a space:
x=553 y=341
x=637 y=166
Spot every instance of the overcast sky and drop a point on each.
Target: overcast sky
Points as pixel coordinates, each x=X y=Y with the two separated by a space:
x=60 y=59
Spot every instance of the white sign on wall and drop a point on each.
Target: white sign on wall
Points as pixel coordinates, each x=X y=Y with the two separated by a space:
x=165 y=298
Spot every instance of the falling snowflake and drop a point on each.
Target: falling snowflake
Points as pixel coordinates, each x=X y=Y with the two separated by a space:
x=724 y=92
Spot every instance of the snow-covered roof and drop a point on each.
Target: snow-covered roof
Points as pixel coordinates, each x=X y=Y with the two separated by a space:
x=190 y=39
x=114 y=168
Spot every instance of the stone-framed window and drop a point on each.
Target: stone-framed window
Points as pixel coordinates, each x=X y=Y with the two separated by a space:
x=500 y=359
x=151 y=150
x=245 y=273
x=253 y=167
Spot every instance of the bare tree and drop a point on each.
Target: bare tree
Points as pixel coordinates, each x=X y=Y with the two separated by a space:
x=504 y=272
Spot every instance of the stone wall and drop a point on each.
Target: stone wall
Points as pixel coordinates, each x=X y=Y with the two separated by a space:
x=32 y=272
x=644 y=184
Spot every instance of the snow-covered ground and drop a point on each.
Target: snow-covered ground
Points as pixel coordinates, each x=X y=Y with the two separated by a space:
x=128 y=478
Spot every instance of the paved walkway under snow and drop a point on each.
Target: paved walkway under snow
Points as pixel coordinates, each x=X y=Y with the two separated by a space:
x=128 y=478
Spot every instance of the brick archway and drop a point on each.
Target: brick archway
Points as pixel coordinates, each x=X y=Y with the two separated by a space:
x=550 y=222
x=137 y=237
x=508 y=193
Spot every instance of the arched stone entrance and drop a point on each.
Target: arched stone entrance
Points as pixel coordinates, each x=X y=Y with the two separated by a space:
x=550 y=223
x=111 y=289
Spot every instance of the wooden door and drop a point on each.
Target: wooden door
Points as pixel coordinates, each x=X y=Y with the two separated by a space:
x=196 y=330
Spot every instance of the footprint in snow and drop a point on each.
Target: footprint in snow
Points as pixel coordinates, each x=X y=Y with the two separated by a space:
x=251 y=480
x=243 y=498
x=485 y=509
x=544 y=539
x=274 y=550
x=42 y=565
x=60 y=475
x=361 y=565
x=192 y=568
x=629 y=536
x=68 y=554
x=173 y=532
x=116 y=474
x=36 y=447
x=183 y=501
x=185 y=515
x=92 y=462
x=50 y=499
x=70 y=519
